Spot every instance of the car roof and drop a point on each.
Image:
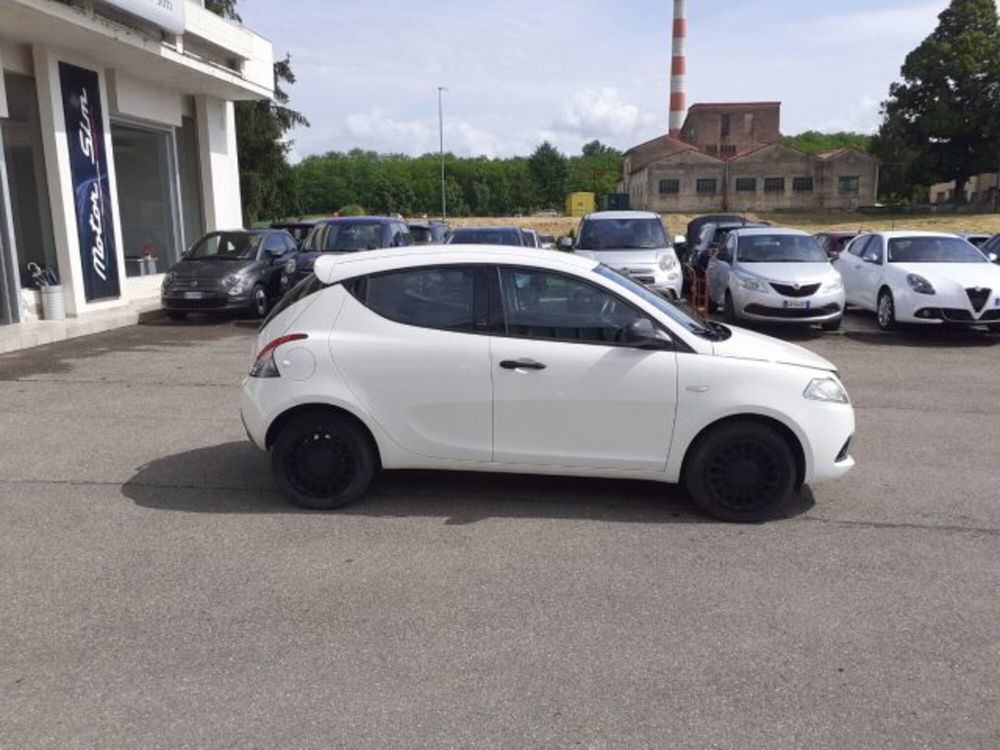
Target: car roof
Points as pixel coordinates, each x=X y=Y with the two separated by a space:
x=486 y=229
x=759 y=231
x=302 y=223
x=897 y=233
x=619 y=215
x=334 y=268
x=358 y=220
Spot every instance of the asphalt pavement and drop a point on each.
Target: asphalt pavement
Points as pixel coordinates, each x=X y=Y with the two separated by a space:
x=156 y=591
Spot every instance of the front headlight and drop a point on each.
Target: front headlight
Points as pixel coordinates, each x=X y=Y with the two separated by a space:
x=826 y=389
x=236 y=283
x=748 y=282
x=168 y=279
x=668 y=261
x=290 y=267
x=919 y=284
x=834 y=285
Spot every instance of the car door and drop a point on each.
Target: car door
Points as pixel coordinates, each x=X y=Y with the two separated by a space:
x=849 y=265
x=565 y=392
x=416 y=355
x=274 y=250
x=719 y=270
x=869 y=273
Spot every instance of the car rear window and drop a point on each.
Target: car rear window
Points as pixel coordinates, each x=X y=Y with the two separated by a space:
x=440 y=298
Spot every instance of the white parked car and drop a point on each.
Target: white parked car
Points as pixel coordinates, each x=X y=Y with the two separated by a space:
x=777 y=276
x=634 y=243
x=504 y=359
x=921 y=277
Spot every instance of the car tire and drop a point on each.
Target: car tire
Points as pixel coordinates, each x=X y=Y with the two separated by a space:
x=885 y=311
x=259 y=302
x=832 y=325
x=177 y=314
x=741 y=472
x=323 y=461
x=729 y=309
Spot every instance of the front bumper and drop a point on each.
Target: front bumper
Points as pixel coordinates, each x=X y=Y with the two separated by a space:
x=208 y=300
x=950 y=308
x=830 y=428
x=775 y=308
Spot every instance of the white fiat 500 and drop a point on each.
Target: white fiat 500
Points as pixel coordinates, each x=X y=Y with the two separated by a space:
x=776 y=275
x=921 y=277
x=504 y=359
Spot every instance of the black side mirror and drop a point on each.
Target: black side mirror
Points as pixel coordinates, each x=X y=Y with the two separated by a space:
x=642 y=334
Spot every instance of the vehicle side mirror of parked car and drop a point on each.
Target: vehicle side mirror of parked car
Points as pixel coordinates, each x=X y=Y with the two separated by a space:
x=680 y=239
x=870 y=257
x=566 y=243
x=992 y=257
x=642 y=334
x=275 y=252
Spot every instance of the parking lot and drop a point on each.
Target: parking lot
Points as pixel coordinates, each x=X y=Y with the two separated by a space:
x=158 y=593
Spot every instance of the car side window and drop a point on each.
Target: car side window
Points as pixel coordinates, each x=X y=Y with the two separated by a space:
x=290 y=245
x=275 y=241
x=873 y=250
x=442 y=297
x=858 y=246
x=546 y=305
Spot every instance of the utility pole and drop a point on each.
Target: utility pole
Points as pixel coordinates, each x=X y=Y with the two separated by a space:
x=444 y=203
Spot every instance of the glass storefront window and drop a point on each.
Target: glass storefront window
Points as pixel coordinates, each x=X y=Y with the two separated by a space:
x=146 y=198
x=31 y=216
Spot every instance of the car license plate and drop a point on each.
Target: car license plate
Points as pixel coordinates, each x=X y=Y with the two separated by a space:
x=796 y=304
x=194 y=295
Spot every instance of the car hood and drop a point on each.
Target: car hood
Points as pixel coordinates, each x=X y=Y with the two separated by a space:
x=744 y=344
x=208 y=269
x=788 y=273
x=618 y=258
x=965 y=275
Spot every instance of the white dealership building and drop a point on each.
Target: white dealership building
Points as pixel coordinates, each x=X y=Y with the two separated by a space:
x=118 y=144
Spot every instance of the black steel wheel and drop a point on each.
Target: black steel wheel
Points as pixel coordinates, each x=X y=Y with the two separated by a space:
x=741 y=471
x=323 y=461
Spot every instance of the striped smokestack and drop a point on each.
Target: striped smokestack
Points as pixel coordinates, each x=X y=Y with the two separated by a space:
x=678 y=70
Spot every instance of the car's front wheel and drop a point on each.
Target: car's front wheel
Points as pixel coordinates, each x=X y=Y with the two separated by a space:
x=322 y=460
x=886 y=311
x=741 y=471
x=260 y=304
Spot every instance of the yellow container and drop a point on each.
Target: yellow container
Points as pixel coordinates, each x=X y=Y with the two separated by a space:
x=580 y=204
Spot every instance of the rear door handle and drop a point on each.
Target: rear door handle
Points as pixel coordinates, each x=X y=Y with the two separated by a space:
x=521 y=364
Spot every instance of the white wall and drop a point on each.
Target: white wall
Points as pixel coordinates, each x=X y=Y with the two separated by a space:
x=220 y=169
x=144 y=100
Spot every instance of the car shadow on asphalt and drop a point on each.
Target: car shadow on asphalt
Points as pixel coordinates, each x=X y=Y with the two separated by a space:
x=235 y=478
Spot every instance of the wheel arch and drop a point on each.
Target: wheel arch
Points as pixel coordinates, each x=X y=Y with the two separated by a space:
x=288 y=415
x=786 y=432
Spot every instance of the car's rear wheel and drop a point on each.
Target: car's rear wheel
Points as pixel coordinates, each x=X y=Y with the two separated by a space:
x=832 y=325
x=176 y=314
x=322 y=460
x=260 y=304
x=741 y=471
x=886 y=311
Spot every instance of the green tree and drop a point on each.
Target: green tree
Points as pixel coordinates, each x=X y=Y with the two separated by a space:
x=945 y=109
x=548 y=171
x=597 y=170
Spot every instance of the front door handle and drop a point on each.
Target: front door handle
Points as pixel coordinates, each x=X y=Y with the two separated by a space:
x=521 y=364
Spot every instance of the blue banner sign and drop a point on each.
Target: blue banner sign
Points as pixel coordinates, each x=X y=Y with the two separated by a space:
x=91 y=188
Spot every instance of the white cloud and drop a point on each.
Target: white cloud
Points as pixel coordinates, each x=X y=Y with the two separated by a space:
x=599 y=112
x=377 y=130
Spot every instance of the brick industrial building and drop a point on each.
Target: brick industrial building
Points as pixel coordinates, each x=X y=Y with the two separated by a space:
x=729 y=157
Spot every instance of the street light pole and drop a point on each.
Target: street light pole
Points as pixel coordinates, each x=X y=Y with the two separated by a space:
x=444 y=204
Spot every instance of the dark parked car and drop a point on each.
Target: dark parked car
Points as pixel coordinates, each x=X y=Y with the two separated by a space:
x=976 y=238
x=992 y=248
x=344 y=235
x=487 y=236
x=834 y=243
x=234 y=271
x=694 y=226
x=298 y=229
x=428 y=232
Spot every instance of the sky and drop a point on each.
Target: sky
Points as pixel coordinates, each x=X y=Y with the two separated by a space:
x=519 y=72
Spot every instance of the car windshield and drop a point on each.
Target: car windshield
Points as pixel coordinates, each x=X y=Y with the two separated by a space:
x=225 y=246
x=344 y=237
x=485 y=237
x=622 y=234
x=840 y=243
x=779 y=248
x=933 y=250
x=694 y=325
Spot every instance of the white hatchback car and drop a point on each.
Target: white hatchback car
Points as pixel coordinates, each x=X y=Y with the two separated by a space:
x=504 y=359
x=921 y=277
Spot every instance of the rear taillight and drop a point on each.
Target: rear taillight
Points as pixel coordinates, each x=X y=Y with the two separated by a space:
x=264 y=365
